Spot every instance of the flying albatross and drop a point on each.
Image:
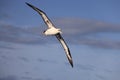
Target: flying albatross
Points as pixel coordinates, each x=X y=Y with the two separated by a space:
x=52 y=30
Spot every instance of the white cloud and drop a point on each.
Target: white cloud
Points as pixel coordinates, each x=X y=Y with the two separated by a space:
x=78 y=31
x=82 y=26
x=82 y=31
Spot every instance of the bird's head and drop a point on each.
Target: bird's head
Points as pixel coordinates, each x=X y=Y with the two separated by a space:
x=44 y=32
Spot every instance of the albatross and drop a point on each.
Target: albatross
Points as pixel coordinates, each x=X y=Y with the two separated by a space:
x=52 y=30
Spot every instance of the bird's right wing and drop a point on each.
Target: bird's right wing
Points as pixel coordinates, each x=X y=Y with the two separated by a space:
x=43 y=15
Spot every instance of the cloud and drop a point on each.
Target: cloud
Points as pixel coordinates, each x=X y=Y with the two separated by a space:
x=76 y=31
x=23 y=58
x=9 y=78
x=30 y=78
x=100 y=43
x=85 y=32
x=13 y=77
x=5 y=16
x=11 y=33
x=6 y=47
x=45 y=60
x=85 y=67
x=84 y=27
x=100 y=77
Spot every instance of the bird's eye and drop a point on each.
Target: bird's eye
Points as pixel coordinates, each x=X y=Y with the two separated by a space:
x=43 y=31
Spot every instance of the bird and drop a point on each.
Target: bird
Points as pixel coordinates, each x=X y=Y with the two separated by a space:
x=53 y=31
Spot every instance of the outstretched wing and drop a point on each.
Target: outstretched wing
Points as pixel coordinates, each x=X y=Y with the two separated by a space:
x=67 y=51
x=43 y=15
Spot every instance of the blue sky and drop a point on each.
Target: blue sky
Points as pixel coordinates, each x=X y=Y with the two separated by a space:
x=90 y=27
x=107 y=11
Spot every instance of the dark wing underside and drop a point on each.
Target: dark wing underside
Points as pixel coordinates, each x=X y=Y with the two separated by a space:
x=43 y=15
x=67 y=51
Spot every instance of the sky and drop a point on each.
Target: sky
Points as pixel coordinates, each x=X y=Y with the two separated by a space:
x=91 y=29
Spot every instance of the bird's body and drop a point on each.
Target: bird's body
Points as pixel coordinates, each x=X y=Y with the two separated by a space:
x=52 y=30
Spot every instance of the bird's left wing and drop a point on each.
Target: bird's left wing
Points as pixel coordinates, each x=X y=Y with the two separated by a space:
x=67 y=51
x=43 y=15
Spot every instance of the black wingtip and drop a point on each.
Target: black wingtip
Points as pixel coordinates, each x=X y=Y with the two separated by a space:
x=35 y=8
x=26 y=3
x=29 y=4
x=71 y=62
x=72 y=65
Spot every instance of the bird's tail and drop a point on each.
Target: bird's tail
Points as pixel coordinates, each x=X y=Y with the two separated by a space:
x=59 y=30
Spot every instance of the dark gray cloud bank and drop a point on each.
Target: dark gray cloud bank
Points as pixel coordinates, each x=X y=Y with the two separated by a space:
x=11 y=33
x=13 y=77
x=76 y=31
